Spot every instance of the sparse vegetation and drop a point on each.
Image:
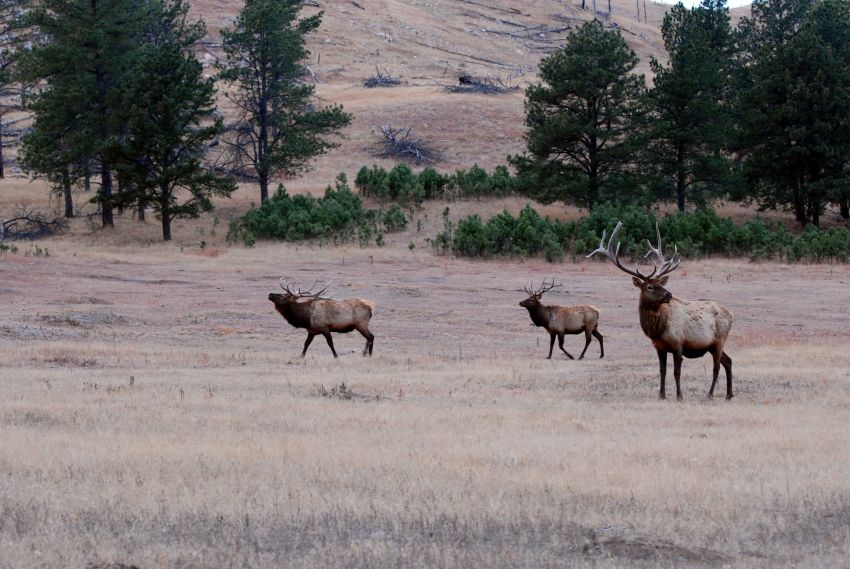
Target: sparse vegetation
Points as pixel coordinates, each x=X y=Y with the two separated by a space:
x=342 y=392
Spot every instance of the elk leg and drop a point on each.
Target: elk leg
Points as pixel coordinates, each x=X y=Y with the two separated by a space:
x=551 y=344
x=561 y=345
x=662 y=361
x=327 y=336
x=586 y=343
x=677 y=372
x=370 y=339
x=727 y=365
x=310 y=337
x=598 y=336
x=715 y=372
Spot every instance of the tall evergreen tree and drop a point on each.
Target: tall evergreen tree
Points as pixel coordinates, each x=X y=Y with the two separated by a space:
x=794 y=106
x=88 y=47
x=169 y=107
x=690 y=121
x=581 y=120
x=277 y=130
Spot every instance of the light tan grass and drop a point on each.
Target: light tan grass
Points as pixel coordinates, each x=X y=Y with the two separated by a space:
x=479 y=452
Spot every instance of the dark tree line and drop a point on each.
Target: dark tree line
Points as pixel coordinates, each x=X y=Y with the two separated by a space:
x=760 y=113
x=121 y=103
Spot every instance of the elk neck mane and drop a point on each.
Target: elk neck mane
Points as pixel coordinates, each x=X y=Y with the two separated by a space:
x=296 y=313
x=540 y=314
x=653 y=318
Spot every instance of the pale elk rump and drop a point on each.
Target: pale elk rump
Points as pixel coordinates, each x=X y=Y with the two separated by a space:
x=320 y=315
x=561 y=320
x=683 y=328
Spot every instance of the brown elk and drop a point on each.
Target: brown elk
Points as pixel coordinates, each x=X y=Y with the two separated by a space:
x=684 y=328
x=319 y=315
x=560 y=320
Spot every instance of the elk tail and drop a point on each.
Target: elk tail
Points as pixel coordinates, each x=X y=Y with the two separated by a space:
x=368 y=304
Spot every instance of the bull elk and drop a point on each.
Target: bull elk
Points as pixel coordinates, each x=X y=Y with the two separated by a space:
x=320 y=315
x=560 y=320
x=684 y=328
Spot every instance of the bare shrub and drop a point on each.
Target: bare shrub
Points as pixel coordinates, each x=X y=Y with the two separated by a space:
x=342 y=392
x=381 y=79
x=484 y=85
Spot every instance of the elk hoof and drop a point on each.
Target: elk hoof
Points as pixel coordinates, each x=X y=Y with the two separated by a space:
x=710 y=396
x=662 y=396
x=729 y=396
x=679 y=398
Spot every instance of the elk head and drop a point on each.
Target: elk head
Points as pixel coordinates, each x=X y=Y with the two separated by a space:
x=651 y=286
x=291 y=295
x=535 y=294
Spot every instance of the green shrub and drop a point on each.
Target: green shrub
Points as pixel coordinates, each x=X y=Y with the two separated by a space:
x=404 y=186
x=339 y=216
x=394 y=219
x=523 y=236
x=694 y=235
x=400 y=184
x=476 y=182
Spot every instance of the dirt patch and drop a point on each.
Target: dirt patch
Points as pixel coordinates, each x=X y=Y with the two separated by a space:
x=86 y=320
x=85 y=300
x=18 y=331
x=645 y=549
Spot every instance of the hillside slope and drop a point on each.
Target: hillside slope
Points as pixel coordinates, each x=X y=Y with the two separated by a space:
x=428 y=45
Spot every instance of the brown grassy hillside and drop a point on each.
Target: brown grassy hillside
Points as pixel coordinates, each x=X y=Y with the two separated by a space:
x=429 y=45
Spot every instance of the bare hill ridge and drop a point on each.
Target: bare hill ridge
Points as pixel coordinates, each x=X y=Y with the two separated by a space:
x=429 y=45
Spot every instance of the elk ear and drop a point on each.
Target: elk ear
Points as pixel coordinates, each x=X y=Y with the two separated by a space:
x=637 y=282
x=663 y=281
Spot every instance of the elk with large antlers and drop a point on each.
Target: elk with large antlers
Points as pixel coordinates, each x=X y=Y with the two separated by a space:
x=684 y=328
x=320 y=315
x=560 y=320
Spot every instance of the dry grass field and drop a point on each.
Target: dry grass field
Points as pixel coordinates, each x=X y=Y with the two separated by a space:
x=153 y=411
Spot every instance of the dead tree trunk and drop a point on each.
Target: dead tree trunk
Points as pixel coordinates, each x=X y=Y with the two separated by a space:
x=66 y=192
x=2 y=170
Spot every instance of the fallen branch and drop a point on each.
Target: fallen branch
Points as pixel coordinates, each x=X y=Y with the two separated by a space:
x=470 y=84
x=400 y=144
x=30 y=225
x=381 y=80
x=505 y=10
x=475 y=57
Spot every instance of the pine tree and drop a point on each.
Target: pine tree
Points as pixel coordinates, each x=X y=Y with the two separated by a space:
x=794 y=105
x=581 y=121
x=277 y=130
x=690 y=120
x=169 y=107
x=88 y=47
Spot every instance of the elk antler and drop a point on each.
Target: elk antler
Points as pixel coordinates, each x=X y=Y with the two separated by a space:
x=285 y=285
x=544 y=288
x=614 y=254
x=667 y=265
